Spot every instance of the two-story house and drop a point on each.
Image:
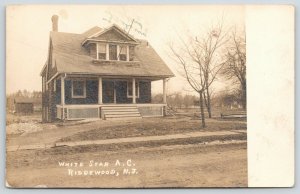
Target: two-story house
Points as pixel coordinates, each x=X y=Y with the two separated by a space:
x=101 y=73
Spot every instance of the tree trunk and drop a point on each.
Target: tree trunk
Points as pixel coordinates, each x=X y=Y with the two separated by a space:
x=202 y=109
x=205 y=100
x=207 y=96
x=244 y=95
x=208 y=103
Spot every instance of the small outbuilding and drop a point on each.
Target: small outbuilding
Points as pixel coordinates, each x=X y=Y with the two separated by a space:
x=23 y=105
x=26 y=105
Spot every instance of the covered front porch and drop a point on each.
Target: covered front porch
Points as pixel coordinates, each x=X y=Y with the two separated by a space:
x=82 y=97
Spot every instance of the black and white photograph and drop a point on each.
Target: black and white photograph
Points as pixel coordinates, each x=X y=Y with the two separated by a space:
x=126 y=96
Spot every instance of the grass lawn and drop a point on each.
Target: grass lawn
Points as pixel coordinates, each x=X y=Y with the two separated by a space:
x=154 y=126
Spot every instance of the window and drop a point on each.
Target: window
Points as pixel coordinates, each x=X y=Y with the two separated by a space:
x=78 y=89
x=131 y=53
x=54 y=85
x=102 y=51
x=129 y=89
x=113 y=52
x=123 y=53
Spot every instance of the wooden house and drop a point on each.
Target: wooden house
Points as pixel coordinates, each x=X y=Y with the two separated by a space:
x=101 y=73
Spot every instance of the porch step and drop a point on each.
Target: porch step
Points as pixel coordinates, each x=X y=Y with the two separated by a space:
x=119 y=108
x=115 y=112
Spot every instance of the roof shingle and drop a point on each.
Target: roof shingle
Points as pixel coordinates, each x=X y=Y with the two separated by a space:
x=71 y=57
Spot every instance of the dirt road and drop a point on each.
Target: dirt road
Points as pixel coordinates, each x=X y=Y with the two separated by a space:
x=165 y=166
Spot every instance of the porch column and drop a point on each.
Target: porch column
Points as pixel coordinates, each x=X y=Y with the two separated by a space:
x=164 y=90
x=62 y=93
x=133 y=91
x=100 y=91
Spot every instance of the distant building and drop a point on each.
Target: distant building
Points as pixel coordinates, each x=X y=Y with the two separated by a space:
x=27 y=105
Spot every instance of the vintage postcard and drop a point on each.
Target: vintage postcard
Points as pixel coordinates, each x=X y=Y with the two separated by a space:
x=149 y=96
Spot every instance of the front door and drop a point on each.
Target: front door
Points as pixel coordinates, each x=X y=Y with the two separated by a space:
x=109 y=92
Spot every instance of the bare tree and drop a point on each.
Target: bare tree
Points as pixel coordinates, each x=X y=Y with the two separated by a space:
x=201 y=62
x=195 y=79
x=235 y=66
x=208 y=99
x=208 y=48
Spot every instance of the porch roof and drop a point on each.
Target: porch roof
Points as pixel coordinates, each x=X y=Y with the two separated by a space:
x=69 y=56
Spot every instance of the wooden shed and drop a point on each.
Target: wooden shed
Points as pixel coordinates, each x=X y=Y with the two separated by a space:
x=23 y=105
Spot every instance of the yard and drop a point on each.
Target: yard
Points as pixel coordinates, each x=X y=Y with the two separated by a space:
x=188 y=162
x=154 y=126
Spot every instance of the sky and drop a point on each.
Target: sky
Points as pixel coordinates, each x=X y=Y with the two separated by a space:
x=28 y=27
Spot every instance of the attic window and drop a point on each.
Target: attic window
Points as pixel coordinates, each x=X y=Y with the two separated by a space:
x=123 y=53
x=131 y=53
x=113 y=52
x=102 y=51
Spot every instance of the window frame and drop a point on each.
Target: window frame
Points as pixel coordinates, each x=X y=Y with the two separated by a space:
x=131 y=53
x=117 y=58
x=137 y=89
x=54 y=85
x=127 y=51
x=98 y=50
x=119 y=54
x=84 y=89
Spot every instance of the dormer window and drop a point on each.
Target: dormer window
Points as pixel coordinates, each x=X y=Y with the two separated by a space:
x=102 y=51
x=113 y=52
x=123 y=53
x=131 y=53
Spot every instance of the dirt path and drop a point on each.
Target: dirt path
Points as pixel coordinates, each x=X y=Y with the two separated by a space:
x=166 y=166
x=51 y=134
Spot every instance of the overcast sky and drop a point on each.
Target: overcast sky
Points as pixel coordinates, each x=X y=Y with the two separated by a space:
x=28 y=27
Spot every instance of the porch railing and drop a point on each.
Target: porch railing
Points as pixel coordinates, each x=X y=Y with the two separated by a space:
x=84 y=111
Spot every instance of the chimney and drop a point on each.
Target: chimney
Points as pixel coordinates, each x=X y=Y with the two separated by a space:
x=54 y=19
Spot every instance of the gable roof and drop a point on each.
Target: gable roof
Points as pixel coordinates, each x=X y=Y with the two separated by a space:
x=114 y=27
x=69 y=56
